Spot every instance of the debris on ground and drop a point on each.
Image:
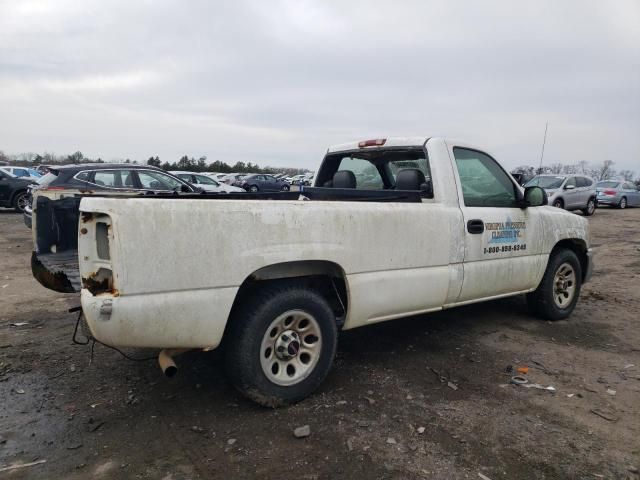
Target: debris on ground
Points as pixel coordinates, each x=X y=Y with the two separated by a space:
x=483 y=476
x=19 y=324
x=22 y=465
x=606 y=415
x=302 y=432
x=391 y=441
x=611 y=391
x=452 y=385
x=421 y=430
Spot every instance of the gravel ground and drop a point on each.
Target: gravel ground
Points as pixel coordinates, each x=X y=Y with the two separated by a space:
x=422 y=397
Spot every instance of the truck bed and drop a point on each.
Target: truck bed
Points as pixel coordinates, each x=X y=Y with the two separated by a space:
x=54 y=262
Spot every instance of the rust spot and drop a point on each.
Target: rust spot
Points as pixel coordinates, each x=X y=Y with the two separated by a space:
x=83 y=231
x=57 y=281
x=86 y=216
x=100 y=283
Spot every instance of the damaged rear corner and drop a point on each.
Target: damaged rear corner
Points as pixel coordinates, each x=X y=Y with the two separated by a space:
x=95 y=240
x=54 y=261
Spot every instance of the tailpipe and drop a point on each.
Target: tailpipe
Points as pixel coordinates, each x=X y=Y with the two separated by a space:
x=165 y=360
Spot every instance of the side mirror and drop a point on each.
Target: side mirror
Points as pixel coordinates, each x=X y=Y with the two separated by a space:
x=535 y=197
x=427 y=189
x=569 y=187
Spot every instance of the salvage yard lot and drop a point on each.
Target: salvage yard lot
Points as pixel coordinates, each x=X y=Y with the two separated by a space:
x=423 y=397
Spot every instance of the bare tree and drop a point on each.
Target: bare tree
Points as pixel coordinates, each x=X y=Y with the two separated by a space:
x=604 y=172
x=555 y=168
x=627 y=174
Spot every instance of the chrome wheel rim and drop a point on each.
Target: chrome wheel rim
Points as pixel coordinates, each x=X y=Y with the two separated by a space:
x=254 y=189
x=564 y=285
x=623 y=203
x=290 y=348
x=557 y=204
x=23 y=201
x=591 y=206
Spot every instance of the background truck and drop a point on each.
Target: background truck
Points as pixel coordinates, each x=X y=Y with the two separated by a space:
x=391 y=227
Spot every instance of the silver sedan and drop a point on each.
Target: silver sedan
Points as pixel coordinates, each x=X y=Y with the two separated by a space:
x=618 y=193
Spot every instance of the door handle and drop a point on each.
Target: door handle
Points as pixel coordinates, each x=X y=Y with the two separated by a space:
x=475 y=226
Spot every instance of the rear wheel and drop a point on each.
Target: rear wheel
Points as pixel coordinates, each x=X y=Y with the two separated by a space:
x=285 y=188
x=623 y=203
x=558 y=203
x=281 y=344
x=253 y=188
x=591 y=207
x=558 y=292
x=20 y=201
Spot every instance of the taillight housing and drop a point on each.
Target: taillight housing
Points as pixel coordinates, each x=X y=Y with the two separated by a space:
x=609 y=192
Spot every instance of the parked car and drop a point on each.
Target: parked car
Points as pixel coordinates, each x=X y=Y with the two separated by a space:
x=617 y=193
x=103 y=178
x=263 y=183
x=276 y=294
x=521 y=178
x=22 y=172
x=571 y=192
x=300 y=180
x=13 y=191
x=205 y=182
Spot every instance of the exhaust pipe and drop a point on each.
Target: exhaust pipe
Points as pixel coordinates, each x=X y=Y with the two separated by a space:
x=165 y=360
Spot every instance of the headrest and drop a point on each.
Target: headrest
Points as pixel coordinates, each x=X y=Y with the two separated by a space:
x=410 y=179
x=344 y=179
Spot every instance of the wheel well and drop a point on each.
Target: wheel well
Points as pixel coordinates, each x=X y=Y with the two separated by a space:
x=560 y=199
x=326 y=277
x=16 y=193
x=577 y=246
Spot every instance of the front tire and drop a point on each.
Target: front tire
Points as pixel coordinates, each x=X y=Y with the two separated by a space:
x=285 y=188
x=253 y=188
x=281 y=344
x=623 y=203
x=591 y=208
x=20 y=201
x=558 y=292
x=558 y=203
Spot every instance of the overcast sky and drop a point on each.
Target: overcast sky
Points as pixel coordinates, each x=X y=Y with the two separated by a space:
x=275 y=82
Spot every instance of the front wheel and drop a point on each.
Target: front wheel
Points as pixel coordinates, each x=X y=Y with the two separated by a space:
x=253 y=188
x=20 y=202
x=281 y=344
x=558 y=203
x=558 y=292
x=591 y=208
x=623 y=203
x=285 y=188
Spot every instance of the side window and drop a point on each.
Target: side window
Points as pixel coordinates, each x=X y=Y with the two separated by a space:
x=127 y=179
x=157 y=181
x=484 y=183
x=20 y=172
x=107 y=178
x=588 y=182
x=204 y=180
x=570 y=181
x=367 y=175
x=581 y=182
x=83 y=176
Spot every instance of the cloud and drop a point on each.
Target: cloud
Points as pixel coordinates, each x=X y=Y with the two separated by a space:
x=277 y=82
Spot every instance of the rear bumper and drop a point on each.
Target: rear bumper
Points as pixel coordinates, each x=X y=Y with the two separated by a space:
x=57 y=271
x=589 y=270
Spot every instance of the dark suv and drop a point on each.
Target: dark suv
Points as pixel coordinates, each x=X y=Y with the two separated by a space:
x=103 y=178
x=13 y=191
x=262 y=183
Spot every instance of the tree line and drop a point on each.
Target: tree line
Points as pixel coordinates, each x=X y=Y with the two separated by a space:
x=599 y=172
x=184 y=163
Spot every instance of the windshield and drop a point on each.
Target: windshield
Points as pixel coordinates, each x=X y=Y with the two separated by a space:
x=545 y=182
x=607 y=184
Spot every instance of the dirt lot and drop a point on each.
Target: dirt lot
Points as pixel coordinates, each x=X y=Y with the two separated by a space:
x=442 y=374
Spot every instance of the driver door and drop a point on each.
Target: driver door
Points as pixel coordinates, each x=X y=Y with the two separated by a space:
x=502 y=242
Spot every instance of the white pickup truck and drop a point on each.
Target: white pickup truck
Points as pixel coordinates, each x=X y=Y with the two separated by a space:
x=390 y=228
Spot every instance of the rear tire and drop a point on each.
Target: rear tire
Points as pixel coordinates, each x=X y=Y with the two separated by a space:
x=285 y=188
x=558 y=203
x=623 y=203
x=558 y=292
x=20 y=201
x=591 y=208
x=253 y=188
x=275 y=363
